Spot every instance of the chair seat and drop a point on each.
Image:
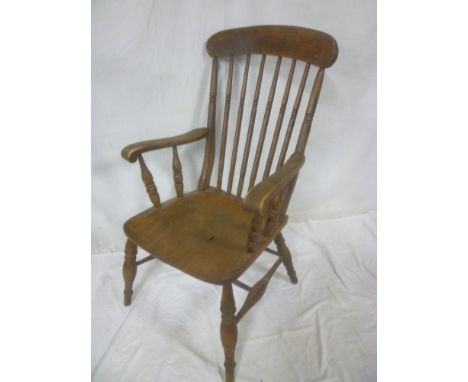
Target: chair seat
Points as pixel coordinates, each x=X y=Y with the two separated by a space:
x=204 y=234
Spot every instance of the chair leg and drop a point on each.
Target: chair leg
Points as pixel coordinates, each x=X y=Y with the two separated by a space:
x=285 y=254
x=228 y=330
x=129 y=270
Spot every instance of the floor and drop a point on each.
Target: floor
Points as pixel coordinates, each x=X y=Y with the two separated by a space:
x=321 y=330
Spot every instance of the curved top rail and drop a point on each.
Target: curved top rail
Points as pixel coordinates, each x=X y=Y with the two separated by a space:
x=312 y=46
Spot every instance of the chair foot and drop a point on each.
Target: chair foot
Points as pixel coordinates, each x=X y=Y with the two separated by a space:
x=285 y=255
x=228 y=330
x=129 y=270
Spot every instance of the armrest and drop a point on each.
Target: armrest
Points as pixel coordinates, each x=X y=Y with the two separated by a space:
x=132 y=151
x=257 y=199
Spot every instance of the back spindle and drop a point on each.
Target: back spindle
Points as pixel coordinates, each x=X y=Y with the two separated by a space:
x=240 y=113
x=248 y=142
x=266 y=119
x=292 y=119
x=279 y=122
x=227 y=106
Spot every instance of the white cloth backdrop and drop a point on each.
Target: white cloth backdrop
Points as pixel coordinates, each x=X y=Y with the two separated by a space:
x=320 y=330
x=150 y=77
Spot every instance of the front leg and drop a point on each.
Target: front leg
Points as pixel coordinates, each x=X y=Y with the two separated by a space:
x=129 y=270
x=228 y=330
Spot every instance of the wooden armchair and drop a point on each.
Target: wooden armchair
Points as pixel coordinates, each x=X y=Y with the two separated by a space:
x=211 y=233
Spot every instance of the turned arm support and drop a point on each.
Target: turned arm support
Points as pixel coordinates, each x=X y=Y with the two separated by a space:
x=134 y=152
x=268 y=201
x=131 y=152
x=257 y=200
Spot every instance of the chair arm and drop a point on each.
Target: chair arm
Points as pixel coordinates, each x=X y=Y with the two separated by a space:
x=131 y=152
x=257 y=199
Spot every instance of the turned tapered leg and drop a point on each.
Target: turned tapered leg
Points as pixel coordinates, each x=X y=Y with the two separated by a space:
x=228 y=330
x=129 y=270
x=283 y=251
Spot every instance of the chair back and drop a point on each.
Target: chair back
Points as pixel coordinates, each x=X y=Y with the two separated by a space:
x=233 y=52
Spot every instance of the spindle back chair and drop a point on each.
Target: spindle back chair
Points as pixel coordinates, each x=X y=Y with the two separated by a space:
x=213 y=233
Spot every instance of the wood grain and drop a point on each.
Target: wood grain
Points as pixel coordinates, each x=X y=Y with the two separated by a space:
x=148 y=181
x=228 y=330
x=292 y=119
x=312 y=46
x=257 y=291
x=131 y=152
x=279 y=122
x=240 y=114
x=209 y=233
x=227 y=107
x=203 y=234
x=309 y=115
x=257 y=199
x=177 y=169
x=205 y=176
x=266 y=119
x=253 y=115
x=129 y=270
x=286 y=257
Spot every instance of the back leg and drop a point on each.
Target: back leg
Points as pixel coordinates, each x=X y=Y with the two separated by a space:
x=129 y=270
x=285 y=255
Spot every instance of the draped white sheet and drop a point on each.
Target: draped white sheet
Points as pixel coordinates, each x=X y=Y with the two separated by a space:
x=321 y=330
x=150 y=75
x=150 y=78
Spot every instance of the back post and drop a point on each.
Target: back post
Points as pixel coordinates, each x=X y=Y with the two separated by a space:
x=310 y=111
x=305 y=129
